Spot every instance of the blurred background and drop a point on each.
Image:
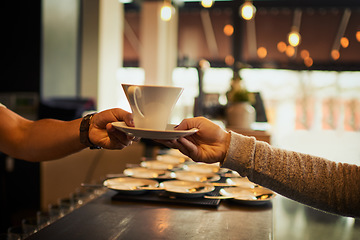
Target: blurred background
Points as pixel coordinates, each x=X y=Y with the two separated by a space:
x=63 y=58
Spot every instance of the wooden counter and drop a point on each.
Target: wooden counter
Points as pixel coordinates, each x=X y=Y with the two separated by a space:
x=104 y=218
x=283 y=219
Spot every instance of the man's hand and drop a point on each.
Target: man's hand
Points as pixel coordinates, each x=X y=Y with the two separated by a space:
x=103 y=134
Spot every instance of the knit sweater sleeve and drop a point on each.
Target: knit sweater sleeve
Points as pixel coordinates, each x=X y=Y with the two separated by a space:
x=314 y=181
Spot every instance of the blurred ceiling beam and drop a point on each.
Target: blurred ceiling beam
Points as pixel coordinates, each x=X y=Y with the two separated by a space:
x=131 y=37
x=341 y=30
x=251 y=38
x=319 y=26
x=209 y=33
x=297 y=24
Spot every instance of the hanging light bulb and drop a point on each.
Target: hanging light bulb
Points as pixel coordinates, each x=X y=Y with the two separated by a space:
x=167 y=10
x=247 y=10
x=207 y=3
x=294 y=37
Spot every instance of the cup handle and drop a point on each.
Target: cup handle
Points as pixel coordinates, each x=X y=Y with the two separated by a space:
x=134 y=92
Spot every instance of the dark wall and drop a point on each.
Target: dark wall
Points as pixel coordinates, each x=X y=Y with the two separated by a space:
x=20 y=72
x=21 y=41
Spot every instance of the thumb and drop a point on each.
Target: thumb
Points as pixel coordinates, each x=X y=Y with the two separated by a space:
x=128 y=119
x=188 y=123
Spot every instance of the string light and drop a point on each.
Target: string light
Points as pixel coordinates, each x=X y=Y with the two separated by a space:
x=290 y=51
x=344 y=41
x=335 y=54
x=247 y=10
x=228 y=30
x=207 y=3
x=229 y=60
x=281 y=46
x=308 y=61
x=167 y=10
x=262 y=52
x=304 y=54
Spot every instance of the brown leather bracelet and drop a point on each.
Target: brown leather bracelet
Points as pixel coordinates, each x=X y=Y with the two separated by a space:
x=84 y=132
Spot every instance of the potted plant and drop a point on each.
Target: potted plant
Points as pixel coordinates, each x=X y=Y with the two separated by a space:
x=239 y=111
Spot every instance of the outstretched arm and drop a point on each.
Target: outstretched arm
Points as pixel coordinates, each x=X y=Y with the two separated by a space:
x=48 y=139
x=311 y=180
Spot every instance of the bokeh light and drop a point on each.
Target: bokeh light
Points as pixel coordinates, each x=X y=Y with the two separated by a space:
x=290 y=51
x=229 y=60
x=261 y=52
x=308 y=61
x=207 y=3
x=335 y=54
x=344 y=41
x=167 y=10
x=228 y=30
x=304 y=54
x=294 y=38
x=247 y=10
x=281 y=46
x=204 y=64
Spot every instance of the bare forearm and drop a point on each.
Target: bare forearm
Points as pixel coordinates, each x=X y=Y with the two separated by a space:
x=37 y=140
x=49 y=139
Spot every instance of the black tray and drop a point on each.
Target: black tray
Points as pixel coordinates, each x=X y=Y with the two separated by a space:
x=166 y=197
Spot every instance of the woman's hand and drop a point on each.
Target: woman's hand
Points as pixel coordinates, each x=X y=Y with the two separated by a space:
x=208 y=145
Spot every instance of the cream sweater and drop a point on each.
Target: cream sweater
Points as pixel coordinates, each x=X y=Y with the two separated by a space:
x=314 y=181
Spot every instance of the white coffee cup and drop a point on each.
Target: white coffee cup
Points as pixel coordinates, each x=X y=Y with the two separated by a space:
x=151 y=105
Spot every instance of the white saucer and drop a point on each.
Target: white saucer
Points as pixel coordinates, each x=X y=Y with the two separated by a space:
x=155 y=164
x=202 y=167
x=167 y=134
x=187 y=188
x=196 y=176
x=241 y=182
x=145 y=173
x=129 y=185
x=247 y=195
